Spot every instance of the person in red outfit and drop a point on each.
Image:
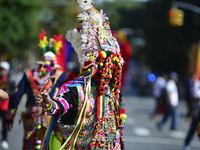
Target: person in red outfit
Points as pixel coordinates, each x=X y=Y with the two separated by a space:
x=8 y=86
x=126 y=52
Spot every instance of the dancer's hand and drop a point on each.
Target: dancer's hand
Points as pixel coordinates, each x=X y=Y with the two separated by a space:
x=3 y=95
x=43 y=99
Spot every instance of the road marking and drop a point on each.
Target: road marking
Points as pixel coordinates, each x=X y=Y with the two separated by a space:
x=141 y=131
x=153 y=140
x=177 y=134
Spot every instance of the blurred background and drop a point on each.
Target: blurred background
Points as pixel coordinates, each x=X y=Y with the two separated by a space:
x=163 y=34
x=155 y=36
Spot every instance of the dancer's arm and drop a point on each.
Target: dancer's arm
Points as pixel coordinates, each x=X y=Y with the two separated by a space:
x=3 y=95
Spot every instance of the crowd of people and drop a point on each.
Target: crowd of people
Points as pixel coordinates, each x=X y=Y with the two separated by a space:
x=166 y=95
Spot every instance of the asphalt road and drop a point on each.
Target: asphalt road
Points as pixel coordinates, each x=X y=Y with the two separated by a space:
x=140 y=132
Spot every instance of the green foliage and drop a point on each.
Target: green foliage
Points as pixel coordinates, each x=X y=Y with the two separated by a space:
x=19 y=25
x=63 y=17
x=22 y=21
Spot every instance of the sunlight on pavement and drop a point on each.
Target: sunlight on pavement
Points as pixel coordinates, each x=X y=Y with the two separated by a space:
x=141 y=131
x=177 y=134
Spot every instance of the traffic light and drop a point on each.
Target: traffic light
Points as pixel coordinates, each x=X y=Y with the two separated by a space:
x=176 y=17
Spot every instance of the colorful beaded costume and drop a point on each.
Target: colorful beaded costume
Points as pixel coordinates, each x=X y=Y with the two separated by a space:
x=30 y=84
x=87 y=107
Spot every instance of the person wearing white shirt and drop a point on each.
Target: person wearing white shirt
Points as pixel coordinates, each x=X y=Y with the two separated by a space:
x=172 y=101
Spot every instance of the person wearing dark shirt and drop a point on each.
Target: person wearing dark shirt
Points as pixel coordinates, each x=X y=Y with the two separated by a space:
x=189 y=96
x=195 y=112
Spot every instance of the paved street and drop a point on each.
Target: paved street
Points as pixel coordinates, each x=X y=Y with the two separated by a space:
x=140 y=132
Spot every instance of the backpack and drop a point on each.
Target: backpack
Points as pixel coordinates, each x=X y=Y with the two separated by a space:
x=164 y=95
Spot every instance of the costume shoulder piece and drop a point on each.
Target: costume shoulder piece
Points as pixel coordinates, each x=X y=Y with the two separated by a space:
x=97 y=49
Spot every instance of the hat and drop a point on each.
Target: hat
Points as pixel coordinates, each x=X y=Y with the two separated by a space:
x=48 y=56
x=5 y=65
x=54 y=44
x=50 y=49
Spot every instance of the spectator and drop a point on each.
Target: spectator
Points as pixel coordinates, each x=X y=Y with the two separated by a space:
x=189 y=88
x=126 y=52
x=158 y=88
x=195 y=91
x=8 y=86
x=198 y=127
x=172 y=101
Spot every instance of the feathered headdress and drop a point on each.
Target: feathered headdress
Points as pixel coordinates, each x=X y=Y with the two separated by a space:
x=53 y=45
x=49 y=49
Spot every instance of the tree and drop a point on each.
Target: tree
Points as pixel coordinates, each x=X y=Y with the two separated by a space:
x=19 y=26
x=61 y=16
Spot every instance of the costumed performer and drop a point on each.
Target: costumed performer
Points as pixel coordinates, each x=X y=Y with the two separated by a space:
x=87 y=107
x=30 y=84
